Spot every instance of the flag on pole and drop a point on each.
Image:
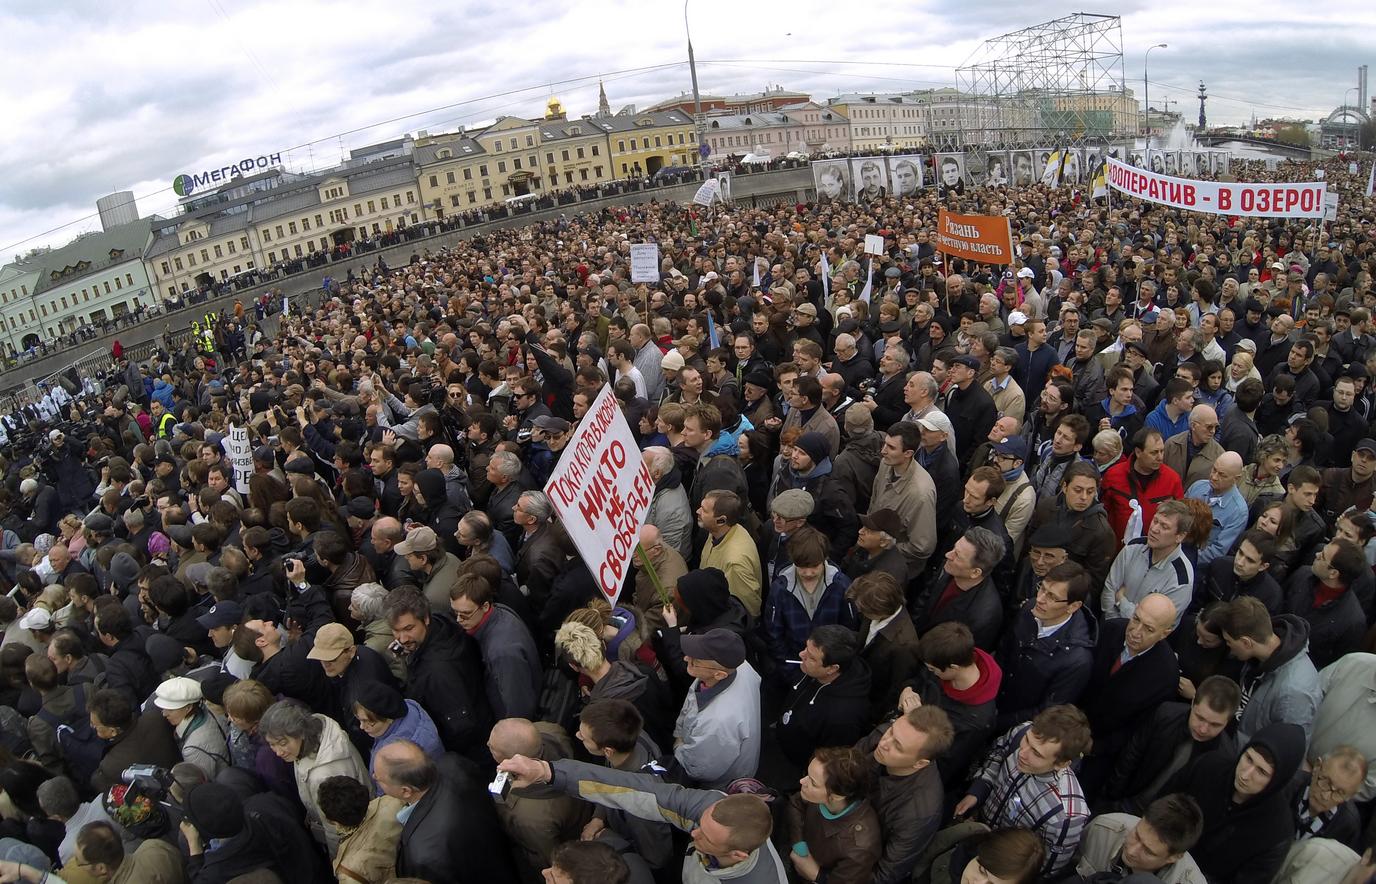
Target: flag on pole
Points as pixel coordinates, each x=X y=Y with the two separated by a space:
x=826 y=277
x=1100 y=187
x=1371 y=181
x=755 y=262
x=869 y=281
x=712 y=338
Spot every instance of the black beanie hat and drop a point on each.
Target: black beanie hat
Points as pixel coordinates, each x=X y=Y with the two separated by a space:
x=431 y=484
x=214 y=810
x=381 y=700
x=705 y=593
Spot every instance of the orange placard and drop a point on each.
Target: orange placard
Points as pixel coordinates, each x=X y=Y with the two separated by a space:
x=986 y=239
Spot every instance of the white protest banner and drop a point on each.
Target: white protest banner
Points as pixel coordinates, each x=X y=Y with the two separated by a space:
x=601 y=490
x=1330 y=206
x=1352 y=168
x=709 y=191
x=874 y=244
x=644 y=262
x=241 y=457
x=1287 y=200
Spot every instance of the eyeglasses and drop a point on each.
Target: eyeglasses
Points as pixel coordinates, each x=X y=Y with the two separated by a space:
x=1045 y=594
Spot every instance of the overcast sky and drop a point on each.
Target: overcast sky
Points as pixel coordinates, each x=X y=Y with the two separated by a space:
x=103 y=97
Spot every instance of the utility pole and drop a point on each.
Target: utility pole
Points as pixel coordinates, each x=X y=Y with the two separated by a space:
x=1146 y=93
x=697 y=98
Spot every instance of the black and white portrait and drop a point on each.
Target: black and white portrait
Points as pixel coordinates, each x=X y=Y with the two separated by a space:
x=1042 y=168
x=1172 y=162
x=1021 y=161
x=1158 y=161
x=998 y=169
x=905 y=173
x=871 y=179
x=1187 y=167
x=832 y=179
x=950 y=172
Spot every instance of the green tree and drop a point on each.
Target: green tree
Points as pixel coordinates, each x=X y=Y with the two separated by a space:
x=1293 y=134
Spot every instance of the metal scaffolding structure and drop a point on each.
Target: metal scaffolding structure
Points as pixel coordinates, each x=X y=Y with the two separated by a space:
x=1060 y=83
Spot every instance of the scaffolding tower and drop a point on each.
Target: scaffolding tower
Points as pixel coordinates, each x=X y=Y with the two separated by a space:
x=1060 y=83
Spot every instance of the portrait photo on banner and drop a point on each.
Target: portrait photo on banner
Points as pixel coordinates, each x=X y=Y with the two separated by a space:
x=950 y=172
x=998 y=168
x=871 y=179
x=1021 y=162
x=905 y=175
x=832 y=180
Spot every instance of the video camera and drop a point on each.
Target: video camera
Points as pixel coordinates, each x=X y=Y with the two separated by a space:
x=147 y=781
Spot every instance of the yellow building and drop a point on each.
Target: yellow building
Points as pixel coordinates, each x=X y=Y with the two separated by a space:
x=575 y=151
x=643 y=143
x=199 y=251
x=512 y=146
x=454 y=175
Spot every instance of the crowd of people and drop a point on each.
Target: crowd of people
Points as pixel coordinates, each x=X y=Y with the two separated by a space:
x=1060 y=571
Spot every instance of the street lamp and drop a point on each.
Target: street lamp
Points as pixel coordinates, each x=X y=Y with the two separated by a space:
x=697 y=99
x=1146 y=94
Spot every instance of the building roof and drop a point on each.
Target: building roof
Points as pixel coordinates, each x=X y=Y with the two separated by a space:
x=623 y=122
x=558 y=130
x=91 y=253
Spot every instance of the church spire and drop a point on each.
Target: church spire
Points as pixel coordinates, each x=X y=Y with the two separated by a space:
x=603 y=108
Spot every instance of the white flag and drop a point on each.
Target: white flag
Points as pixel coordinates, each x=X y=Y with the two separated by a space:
x=755 y=262
x=826 y=277
x=869 y=281
x=1371 y=180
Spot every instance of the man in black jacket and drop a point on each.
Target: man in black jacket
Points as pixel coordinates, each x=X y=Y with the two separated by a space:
x=129 y=669
x=1172 y=737
x=451 y=832
x=1322 y=595
x=1245 y=572
x=964 y=590
x=1134 y=671
x=347 y=666
x=444 y=673
x=1047 y=655
x=829 y=704
x=969 y=407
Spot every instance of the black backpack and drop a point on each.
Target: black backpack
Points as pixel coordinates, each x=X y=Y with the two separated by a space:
x=80 y=746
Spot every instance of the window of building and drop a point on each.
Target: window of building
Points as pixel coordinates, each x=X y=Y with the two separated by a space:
x=86 y=297
x=318 y=223
x=205 y=256
x=624 y=170
x=372 y=207
x=594 y=151
x=506 y=190
x=487 y=193
x=177 y=262
x=119 y=283
x=191 y=259
x=530 y=141
x=472 y=197
x=434 y=181
x=657 y=143
x=482 y=170
x=279 y=232
x=467 y=174
x=501 y=166
x=358 y=208
x=513 y=144
x=298 y=250
x=272 y=257
x=516 y=162
x=166 y=269
x=549 y=157
x=580 y=153
x=621 y=147
x=411 y=197
x=454 y=200
x=597 y=170
x=291 y=228
x=583 y=174
x=448 y=177
x=383 y=202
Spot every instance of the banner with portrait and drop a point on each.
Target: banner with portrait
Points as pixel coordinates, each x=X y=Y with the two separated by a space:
x=905 y=174
x=831 y=178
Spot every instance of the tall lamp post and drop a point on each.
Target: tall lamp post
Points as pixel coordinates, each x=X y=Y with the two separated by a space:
x=697 y=99
x=1146 y=95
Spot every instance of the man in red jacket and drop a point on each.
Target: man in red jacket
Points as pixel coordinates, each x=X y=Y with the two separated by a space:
x=1144 y=479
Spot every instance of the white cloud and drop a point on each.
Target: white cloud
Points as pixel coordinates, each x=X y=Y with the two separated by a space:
x=105 y=98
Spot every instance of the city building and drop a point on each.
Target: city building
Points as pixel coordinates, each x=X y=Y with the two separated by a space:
x=883 y=121
x=576 y=151
x=453 y=174
x=97 y=276
x=513 y=148
x=807 y=128
x=643 y=143
x=775 y=98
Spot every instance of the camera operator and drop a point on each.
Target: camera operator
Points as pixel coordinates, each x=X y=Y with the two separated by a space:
x=65 y=464
x=43 y=504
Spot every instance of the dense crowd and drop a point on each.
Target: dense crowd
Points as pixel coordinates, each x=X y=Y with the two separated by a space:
x=1055 y=572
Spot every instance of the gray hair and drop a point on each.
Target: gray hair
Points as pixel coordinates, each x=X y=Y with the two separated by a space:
x=221 y=582
x=290 y=720
x=133 y=519
x=844 y=340
x=988 y=548
x=900 y=352
x=508 y=464
x=1089 y=334
x=659 y=459
x=1007 y=355
x=369 y=599
x=57 y=797
x=1270 y=446
x=480 y=524
x=537 y=504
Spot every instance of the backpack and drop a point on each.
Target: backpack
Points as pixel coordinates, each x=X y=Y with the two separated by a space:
x=81 y=748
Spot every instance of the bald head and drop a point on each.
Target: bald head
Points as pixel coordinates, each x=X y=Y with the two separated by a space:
x=1203 y=424
x=1151 y=622
x=1227 y=469
x=513 y=736
x=441 y=457
x=1002 y=429
x=649 y=537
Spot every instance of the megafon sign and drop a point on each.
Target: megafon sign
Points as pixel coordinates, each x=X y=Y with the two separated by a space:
x=185 y=185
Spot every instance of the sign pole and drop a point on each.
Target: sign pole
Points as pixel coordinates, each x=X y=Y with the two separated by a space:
x=653 y=574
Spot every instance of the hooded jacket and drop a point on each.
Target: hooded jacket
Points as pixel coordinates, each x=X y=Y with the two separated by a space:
x=833 y=511
x=1284 y=687
x=1092 y=542
x=817 y=715
x=1042 y=672
x=1247 y=841
x=972 y=713
x=787 y=624
x=857 y=465
x=335 y=756
x=704 y=596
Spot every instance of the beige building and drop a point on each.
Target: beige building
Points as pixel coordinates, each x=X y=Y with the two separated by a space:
x=643 y=143
x=453 y=174
x=881 y=121
x=512 y=146
x=575 y=151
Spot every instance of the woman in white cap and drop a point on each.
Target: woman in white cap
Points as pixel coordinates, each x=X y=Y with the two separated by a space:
x=201 y=735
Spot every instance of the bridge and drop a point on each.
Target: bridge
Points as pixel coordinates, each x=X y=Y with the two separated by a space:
x=1290 y=151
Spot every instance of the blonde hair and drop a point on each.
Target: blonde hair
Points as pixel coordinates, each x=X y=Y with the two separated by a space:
x=581 y=644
